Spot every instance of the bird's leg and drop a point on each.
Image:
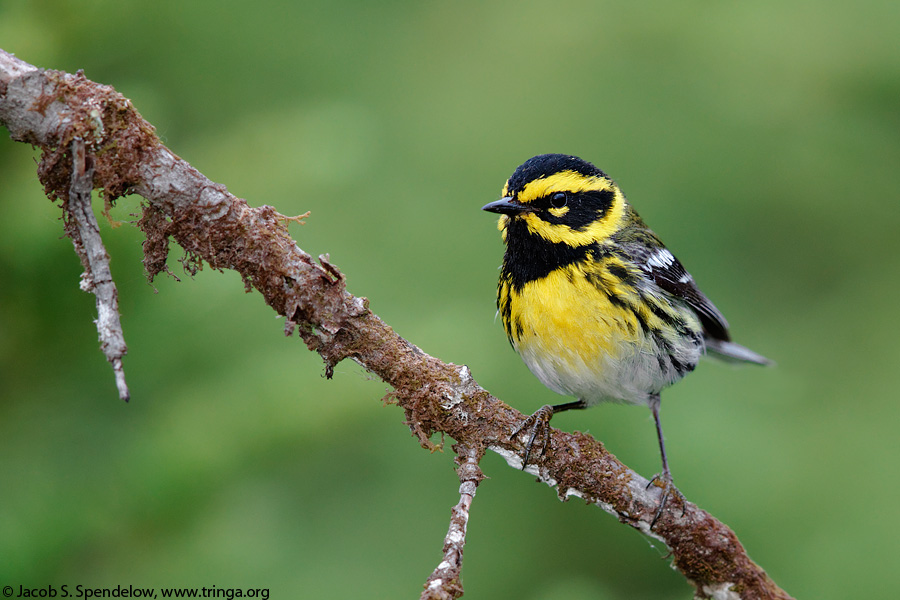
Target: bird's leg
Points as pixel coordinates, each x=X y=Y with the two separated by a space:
x=541 y=420
x=665 y=478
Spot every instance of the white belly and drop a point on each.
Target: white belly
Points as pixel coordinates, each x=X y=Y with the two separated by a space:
x=631 y=376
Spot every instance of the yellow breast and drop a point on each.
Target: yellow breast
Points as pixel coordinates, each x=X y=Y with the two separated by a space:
x=577 y=340
x=569 y=318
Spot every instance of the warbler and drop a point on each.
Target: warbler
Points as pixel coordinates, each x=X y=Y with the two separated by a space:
x=592 y=300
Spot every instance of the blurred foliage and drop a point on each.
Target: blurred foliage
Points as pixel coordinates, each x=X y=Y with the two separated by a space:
x=760 y=140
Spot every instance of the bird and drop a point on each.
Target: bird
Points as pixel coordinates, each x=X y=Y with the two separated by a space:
x=592 y=300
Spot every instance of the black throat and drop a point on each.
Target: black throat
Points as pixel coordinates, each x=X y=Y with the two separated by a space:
x=530 y=257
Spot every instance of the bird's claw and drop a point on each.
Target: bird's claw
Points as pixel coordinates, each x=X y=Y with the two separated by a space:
x=539 y=420
x=664 y=480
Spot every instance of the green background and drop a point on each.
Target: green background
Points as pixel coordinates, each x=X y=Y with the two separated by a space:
x=760 y=140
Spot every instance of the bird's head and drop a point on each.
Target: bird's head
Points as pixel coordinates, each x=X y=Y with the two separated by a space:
x=561 y=199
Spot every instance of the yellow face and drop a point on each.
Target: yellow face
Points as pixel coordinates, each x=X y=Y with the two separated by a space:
x=565 y=207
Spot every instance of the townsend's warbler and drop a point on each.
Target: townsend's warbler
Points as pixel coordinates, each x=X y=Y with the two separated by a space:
x=592 y=300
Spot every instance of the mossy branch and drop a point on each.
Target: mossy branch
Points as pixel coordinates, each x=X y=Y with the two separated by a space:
x=51 y=109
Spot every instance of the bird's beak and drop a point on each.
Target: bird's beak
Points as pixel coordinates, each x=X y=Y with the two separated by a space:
x=505 y=206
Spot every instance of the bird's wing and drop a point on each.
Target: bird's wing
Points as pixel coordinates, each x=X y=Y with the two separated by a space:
x=669 y=274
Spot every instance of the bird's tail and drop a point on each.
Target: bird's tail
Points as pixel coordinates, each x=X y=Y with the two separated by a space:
x=734 y=353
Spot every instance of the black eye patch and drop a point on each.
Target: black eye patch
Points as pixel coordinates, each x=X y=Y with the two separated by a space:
x=583 y=207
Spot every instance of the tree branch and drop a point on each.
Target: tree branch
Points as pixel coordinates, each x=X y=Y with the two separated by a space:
x=50 y=109
x=445 y=582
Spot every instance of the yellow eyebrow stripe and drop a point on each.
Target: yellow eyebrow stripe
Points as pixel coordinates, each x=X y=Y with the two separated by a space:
x=564 y=181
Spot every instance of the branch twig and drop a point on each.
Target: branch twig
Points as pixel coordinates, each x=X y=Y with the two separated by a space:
x=50 y=109
x=445 y=582
x=82 y=228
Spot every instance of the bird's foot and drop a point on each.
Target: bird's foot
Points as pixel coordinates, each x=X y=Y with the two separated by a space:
x=664 y=480
x=539 y=420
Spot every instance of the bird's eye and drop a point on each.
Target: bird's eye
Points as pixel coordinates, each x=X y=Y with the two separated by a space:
x=558 y=200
